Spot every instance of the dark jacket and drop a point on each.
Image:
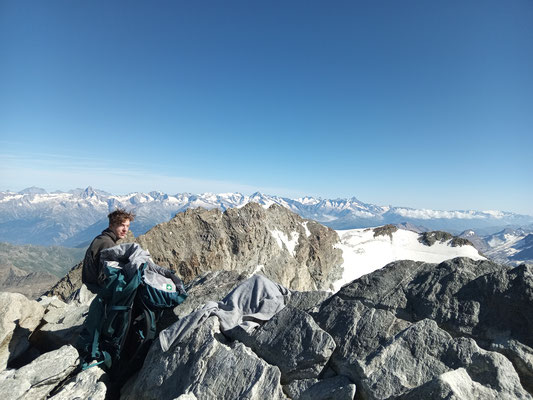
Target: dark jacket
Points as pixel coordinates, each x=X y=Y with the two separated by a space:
x=91 y=262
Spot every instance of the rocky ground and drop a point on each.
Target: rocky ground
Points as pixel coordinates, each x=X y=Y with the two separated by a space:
x=456 y=330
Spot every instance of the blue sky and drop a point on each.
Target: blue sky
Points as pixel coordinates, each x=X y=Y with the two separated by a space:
x=426 y=104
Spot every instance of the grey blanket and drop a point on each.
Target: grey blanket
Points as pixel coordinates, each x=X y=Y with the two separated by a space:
x=130 y=257
x=255 y=300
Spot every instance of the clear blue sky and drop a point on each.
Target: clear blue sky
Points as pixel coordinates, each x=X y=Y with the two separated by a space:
x=425 y=104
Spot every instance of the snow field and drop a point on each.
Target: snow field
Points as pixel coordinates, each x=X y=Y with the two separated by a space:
x=362 y=253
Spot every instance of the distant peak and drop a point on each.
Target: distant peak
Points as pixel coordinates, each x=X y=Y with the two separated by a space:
x=89 y=192
x=33 y=190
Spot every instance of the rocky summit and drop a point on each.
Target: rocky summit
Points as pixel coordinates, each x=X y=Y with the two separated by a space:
x=458 y=329
x=294 y=252
x=461 y=329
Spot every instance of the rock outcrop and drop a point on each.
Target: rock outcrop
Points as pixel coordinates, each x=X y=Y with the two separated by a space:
x=18 y=318
x=68 y=285
x=286 y=354
x=62 y=322
x=430 y=238
x=297 y=253
x=424 y=326
x=208 y=366
x=37 y=379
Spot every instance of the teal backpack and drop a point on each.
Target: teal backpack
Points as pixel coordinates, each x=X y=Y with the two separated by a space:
x=121 y=323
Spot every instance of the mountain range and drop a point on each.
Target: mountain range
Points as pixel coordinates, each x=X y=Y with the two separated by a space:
x=73 y=218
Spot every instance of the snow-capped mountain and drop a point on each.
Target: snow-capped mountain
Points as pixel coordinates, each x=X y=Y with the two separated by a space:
x=525 y=250
x=510 y=246
x=75 y=217
x=479 y=242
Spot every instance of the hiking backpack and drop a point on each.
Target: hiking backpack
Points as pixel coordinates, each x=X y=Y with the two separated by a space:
x=121 y=323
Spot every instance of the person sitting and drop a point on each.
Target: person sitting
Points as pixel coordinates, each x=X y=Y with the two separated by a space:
x=119 y=224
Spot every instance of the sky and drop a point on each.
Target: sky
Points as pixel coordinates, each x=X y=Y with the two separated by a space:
x=424 y=104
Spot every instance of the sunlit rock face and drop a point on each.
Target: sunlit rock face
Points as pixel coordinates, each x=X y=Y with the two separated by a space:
x=294 y=252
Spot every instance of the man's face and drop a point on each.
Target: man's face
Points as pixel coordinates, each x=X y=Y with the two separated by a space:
x=120 y=230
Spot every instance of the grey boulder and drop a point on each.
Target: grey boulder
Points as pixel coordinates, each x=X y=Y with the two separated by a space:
x=62 y=322
x=88 y=384
x=293 y=342
x=206 y=365
x=395 y=330
x=19 y=316
x=37 y=379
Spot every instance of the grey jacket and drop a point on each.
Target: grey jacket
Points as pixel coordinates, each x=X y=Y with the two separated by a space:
x=91 y=262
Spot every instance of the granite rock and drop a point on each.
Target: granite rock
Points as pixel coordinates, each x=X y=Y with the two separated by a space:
x=19 y=316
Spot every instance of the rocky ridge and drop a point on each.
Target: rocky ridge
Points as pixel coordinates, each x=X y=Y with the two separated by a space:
x=297 y=253
x=32 y=270
x=30 y=284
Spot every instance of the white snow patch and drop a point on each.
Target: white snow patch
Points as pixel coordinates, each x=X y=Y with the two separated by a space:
x=307 y=231
x=268 y=203
x=11 y=197
x=307 y=200
x=50 y=197
x=258 y=269
x=503 y=245
x=507 y=240
x=283 y=240
x=364 y=253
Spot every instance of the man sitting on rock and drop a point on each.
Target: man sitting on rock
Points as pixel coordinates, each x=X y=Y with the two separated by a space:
x=119 y=224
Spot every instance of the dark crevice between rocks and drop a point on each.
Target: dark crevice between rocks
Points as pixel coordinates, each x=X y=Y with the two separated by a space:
x=21 y=359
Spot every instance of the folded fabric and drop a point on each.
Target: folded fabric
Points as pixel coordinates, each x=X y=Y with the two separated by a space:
x=129 y=256
x=255 y=300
